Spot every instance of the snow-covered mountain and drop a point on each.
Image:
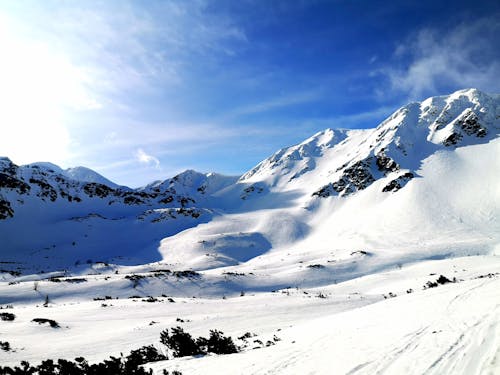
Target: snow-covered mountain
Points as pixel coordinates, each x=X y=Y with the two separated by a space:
x=287 y=192
x=351 y=160
x=342 y=212
x=72 y=216
x=88 y=175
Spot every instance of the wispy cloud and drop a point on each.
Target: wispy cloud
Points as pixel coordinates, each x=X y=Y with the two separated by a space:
x=281 y=101
x=124 y=45
x=434 y=60
x=147 y=159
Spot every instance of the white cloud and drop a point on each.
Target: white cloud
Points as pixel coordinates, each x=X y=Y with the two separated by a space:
x=121 y=46
x=61 y=58
x=432 y=61
x=145 y=158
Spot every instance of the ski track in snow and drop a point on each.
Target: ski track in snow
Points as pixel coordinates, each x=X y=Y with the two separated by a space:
x=459 y=337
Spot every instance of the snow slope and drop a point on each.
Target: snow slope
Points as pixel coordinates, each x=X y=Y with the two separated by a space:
x=88 y=175
x=453 y=329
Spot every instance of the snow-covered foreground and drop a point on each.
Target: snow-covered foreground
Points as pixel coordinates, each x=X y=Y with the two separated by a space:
x=380 y=323
x=453 y=329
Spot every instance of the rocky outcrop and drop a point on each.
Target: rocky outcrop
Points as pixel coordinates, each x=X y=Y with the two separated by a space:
x=9 y=182
x=5 y=209
x=251 y=190
x=384 y=163
x=46 y=189
x=94 y=189
x=398 y=183
x=356 y=177
x=467 y=124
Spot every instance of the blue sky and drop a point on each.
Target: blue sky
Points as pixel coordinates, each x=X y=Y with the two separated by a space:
x=141 y=90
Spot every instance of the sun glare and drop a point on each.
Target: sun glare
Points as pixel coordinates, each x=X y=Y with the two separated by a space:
x=38 y=90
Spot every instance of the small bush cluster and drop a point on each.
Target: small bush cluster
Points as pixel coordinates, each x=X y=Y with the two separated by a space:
x=317 y=266
x=51 y=322
x=7 y=316
x=440 y=281
x=182 y=343
x=188 y=274
x=5 y=346
x=136 y=279
x=130 y=365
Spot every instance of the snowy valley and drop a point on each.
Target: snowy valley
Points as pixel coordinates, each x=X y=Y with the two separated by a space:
x=353 y=252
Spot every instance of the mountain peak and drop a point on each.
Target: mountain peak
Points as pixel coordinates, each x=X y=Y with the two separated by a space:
x=44 y=165
x=292 y=162
x=85 y=174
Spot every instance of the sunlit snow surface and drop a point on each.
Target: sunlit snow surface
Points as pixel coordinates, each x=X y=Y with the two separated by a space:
x=306 y=250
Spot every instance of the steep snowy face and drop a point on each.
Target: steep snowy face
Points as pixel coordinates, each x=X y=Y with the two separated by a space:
x=397 y=147
x=88 y=175
x=342 y=162
x=292 y=162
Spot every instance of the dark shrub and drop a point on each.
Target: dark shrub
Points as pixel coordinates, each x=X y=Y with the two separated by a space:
x=7 y=316
x=131 y=365
x=318 y=266
x=143 y=355
x=51 y=322
x=5 y=346
x=181 y=343
x=220 y=344
x=443 y=280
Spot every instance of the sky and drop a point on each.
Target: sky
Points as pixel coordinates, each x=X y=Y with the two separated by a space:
x=142 y=90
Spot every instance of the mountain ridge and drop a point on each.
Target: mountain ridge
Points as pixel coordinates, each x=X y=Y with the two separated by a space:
x=265 y=206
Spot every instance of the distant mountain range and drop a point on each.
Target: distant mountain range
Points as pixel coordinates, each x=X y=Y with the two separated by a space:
x=429 y=172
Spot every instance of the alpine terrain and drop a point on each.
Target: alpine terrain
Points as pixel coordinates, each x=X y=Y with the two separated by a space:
x=354 y=252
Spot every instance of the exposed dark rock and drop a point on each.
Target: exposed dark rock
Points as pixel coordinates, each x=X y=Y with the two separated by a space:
x=193 y=212
x=452 y=139
x=251 y=189
x=359 y=174
x=46 y=190
x=69 y=197
x=471 y=126
x=398 y=183
x=385 y=164
x=6 y=210
x=354 y=178
x=132 y=200
x=184 y=201
x=7 y=166
x=468 y=124
x=95 y=189
x=168 y=199
x=325 y=191
x=9 y=182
